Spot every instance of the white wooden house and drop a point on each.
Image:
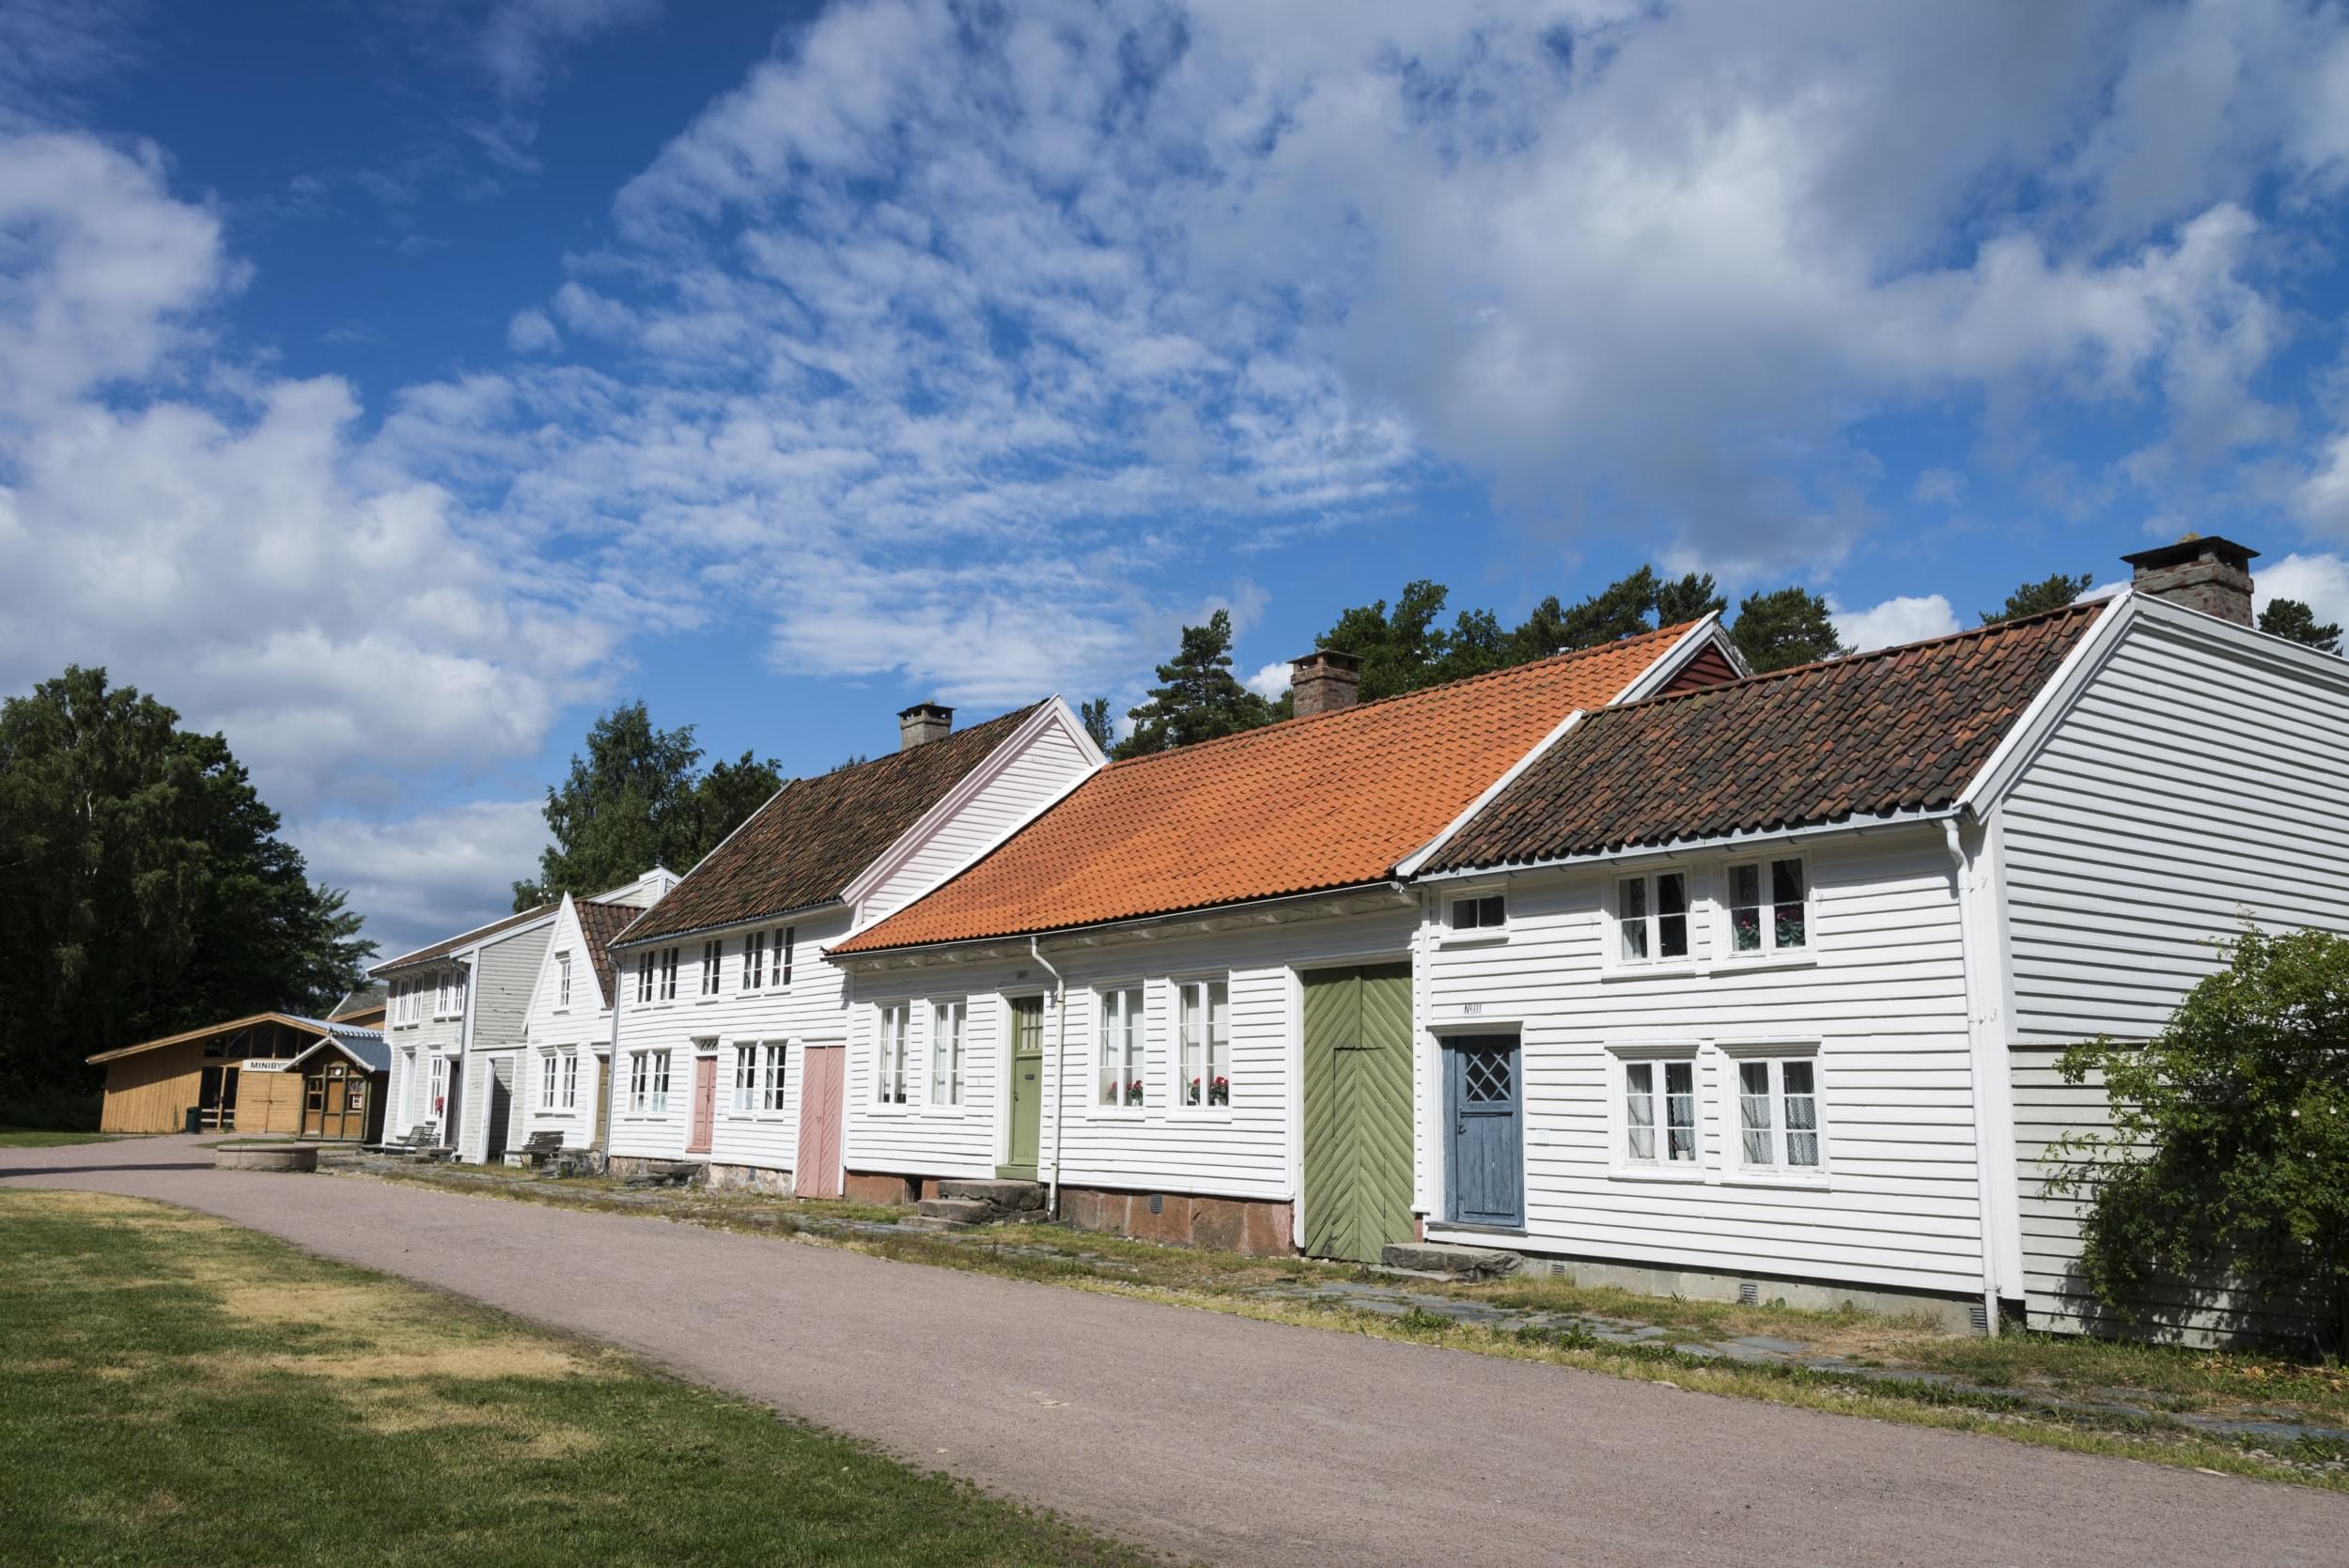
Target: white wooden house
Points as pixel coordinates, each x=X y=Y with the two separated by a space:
x=732 y=1022
x=1763 y=986
x=1122 y=1003
x=441 y=1001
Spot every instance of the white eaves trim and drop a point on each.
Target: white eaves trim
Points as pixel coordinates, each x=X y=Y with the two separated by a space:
x=1051 y=711
x=1668 y=663
x=2055 y=698
x=1714 y=842
x=1408 y=866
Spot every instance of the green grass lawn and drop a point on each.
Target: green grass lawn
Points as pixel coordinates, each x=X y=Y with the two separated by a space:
x=29 y=1137
x=179 y=1390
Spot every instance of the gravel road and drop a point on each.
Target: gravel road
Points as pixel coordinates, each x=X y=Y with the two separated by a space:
x=1233 y=1441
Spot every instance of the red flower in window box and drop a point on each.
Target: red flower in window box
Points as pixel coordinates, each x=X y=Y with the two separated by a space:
x=1219 y=1091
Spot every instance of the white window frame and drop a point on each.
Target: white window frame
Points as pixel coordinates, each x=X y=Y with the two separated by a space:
x=1202 y=987
x=569 y=1099
x=668 y=973
x=644 y=977
x=892 y=1023
x=1657 y=1058
x=774 y=1063
x=1773 y=1056
x=1769 y=951
x=562 y=982
x=1471 y=916
x=1126 y=1007
x=546 y=1080
x=785 y=941
x=1651 y=920
x=950 y=1024
x=745 y=1077
x=754 y=961
x=436 y=1094
x=648 y=1082
x=713 y=970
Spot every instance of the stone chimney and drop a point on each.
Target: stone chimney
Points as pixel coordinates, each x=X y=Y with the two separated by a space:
x=1324 y=681
x=923 y=721
x=2211 y=575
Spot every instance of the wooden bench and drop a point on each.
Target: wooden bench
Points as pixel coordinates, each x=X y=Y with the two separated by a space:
x=421 y=1142
x=539 y=1147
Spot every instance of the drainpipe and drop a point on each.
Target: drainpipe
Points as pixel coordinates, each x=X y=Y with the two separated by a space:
x=1060 y=1065
x=1992 y=1222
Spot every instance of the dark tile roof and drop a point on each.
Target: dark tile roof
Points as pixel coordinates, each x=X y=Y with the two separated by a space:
x=1329 y=801
x=1901 y=729
x=368 y=998
x=810 y=842
x=599 y=925
x=466 y=939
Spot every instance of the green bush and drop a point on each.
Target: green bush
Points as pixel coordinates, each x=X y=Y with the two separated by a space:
x=52 y=1108
x=2228 y=1160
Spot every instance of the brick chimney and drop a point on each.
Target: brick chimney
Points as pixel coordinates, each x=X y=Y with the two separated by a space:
x=922 y=721
x=2211 y=575
x=1324 y=681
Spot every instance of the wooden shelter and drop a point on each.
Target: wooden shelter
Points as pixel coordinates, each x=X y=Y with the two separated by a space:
x=248 y=1075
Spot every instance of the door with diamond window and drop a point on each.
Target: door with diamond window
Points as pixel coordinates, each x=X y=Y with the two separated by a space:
x=1484 y=1131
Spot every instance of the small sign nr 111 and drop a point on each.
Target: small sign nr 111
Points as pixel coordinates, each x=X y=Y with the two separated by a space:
x=1471 y=1009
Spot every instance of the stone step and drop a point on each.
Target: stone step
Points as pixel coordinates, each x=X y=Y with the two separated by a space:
x=931 y=1222
x=1004 y=1195
x=965 y=1211
x=1450 y=1258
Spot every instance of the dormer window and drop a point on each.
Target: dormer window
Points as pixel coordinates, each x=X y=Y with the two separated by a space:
x=1483 y=912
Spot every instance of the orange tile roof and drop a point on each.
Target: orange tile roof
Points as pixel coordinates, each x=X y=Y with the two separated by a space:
x=1330 y=801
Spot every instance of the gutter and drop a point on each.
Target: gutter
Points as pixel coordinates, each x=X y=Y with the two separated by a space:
x=1060 y=1065
x=1977 y=1044
x=1957 y=812
x=1203 y=912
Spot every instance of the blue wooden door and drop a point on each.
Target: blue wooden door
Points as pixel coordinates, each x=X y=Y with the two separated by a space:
x=1484 y=1148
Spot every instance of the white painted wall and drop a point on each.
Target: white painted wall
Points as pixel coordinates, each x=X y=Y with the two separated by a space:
x=553 y=1031
x=1900 y=1206
x=2201 y=777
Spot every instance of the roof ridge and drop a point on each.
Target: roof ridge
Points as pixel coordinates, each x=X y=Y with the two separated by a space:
x=887 y=757
x=1850 y=660
x=450 y=944
x=1441 y=688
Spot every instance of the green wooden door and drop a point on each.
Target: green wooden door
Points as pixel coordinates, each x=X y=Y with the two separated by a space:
x=1025 y=1061
x=1358 y=1110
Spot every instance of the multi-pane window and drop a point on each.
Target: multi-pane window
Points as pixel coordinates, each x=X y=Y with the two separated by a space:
x=571 y=1080
x=785 y=940
x=1485 y=912
x=440 y=1084
x=713 y=957
x=1203 y=1072
x=545 y=1081
x=644 y=961
x=772 y=1056
x=648 y=1082
x=1652 y=917
x=561 y=980
x=1120 y=1015
x=1659 y=1114
x=1769 y=907
x=946 y=1019
x=889 y=1065
x=754 y=961
x=668 y=973
x=1778 y=1114
x=746 y=1078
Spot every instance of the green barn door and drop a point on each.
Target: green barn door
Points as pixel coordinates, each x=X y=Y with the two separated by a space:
x=1358 y=1110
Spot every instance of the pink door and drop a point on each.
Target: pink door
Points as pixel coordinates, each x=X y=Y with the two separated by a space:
x=820 y=1085
x=705 y=1104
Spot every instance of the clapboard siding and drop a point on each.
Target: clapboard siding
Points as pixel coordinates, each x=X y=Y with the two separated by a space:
x=1242 y=1151
x=554 y=1031
x=504 y=978
x=1885 y=997
x=811 y=1010
x=2200 y=778
x=1015 y=784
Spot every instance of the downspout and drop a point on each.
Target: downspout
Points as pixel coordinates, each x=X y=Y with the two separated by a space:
x=612 y=1070
x=1060 y=1066
x=1960 y=874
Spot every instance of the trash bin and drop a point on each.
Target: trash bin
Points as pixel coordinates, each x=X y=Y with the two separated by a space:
x=196 y=1118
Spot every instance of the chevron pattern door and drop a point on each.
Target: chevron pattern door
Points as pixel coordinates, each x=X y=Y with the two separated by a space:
x=1358 y=1110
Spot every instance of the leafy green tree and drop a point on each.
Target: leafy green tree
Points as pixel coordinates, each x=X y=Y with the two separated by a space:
x=1401 y=649
x=2052 y=593
x=1688 y=598
x=2294 y=621
x=1197 y=697
x=637 y=800
x=1620 y=610
x=1094 y=716
x=2227 y=1164
x=1779 y=630
x=147 y=891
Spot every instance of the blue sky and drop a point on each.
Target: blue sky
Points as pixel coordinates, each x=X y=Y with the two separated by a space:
x=394 y=386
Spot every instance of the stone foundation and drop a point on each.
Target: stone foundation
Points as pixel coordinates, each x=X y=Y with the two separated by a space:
x=865 y=1186
x=1961 y=1315
x=627 y=1166
x=1251 y=1225
x=757 y=1178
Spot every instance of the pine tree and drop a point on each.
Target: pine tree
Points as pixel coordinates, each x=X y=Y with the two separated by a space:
x=1777 y=632
x=1688 y=598
x=1094 y=716
x=2051 y=593
x=1197 y=697
x=2296 y=622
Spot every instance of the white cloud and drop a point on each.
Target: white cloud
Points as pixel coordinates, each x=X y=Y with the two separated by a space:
x=1896 y=620
x=53 y=52
x=2319 y=582
x=520 y=40
x=1939 y=487
x=430 y=875
x=531 y=332
x=1270 y=681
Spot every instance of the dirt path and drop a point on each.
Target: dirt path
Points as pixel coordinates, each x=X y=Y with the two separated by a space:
x=1245 y=1442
